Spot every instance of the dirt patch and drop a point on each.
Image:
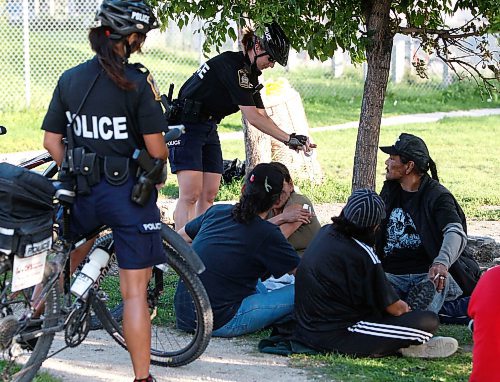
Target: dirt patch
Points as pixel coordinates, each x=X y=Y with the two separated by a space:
x=99 y=358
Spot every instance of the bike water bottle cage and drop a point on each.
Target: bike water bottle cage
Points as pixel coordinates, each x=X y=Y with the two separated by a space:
x=296 y=141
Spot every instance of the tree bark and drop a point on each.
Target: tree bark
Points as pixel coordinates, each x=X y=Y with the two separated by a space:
x=257 y=146
x=378 y=55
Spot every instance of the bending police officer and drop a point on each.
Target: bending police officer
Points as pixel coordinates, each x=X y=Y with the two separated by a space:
x=220 y=87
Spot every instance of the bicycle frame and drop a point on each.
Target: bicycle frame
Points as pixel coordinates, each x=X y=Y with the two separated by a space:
x=64 y=246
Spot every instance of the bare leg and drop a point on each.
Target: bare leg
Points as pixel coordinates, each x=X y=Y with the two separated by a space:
x=136 y=319
x=210 y=188
x=76 y=257
x=190 y=187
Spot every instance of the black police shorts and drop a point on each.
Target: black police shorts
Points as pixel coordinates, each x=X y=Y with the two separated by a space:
x=198 y=149
x=136 y=229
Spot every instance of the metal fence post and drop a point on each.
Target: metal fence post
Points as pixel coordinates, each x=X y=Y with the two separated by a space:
x=26 y=50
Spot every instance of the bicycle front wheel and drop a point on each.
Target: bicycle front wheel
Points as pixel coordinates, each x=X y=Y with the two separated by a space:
x=169 y=345
x=21 y=357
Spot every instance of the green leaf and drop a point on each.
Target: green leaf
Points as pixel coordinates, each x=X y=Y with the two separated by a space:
x=232 y=33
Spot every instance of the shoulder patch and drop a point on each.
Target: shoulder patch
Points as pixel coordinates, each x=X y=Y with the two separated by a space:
x=141 y=68
x=154 y=87
x=243 y=79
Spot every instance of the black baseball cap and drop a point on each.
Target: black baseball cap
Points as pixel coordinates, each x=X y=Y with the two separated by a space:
x=412 y=147
x=267 y=178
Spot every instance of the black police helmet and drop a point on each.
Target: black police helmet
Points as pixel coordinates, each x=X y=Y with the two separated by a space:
x=126 y=17
x=276 y=43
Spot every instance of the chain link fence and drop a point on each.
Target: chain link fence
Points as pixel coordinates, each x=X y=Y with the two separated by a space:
x=42 y=38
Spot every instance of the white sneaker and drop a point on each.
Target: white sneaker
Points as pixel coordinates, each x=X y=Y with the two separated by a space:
x=436 y=347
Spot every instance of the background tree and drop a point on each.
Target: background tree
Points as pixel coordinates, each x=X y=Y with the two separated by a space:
x=366 y=29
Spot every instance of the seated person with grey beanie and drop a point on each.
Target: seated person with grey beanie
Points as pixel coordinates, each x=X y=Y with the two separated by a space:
x=343 y=300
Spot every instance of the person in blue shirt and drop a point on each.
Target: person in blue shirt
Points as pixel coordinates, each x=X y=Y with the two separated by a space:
x=239 y=247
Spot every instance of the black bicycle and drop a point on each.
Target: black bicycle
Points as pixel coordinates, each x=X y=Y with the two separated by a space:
x=26 y=340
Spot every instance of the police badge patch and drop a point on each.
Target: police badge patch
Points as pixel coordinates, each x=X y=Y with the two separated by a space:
x=154 y=87
x=243 y=79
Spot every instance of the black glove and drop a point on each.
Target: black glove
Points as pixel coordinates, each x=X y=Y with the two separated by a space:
x=296 y=141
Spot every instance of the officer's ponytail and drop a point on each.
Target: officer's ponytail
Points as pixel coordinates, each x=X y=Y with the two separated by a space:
x=248 y=39
x=112 y=63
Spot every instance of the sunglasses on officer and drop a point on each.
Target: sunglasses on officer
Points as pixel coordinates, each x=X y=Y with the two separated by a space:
x=269 y=57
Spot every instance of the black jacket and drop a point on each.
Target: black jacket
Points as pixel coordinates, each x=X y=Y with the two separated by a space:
x=465 y=270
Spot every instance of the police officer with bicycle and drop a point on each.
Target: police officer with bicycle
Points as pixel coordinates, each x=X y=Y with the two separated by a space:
x=105 y=110
x=220 y=87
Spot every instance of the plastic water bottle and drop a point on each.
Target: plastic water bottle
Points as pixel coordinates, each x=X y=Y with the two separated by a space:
x=98 y=259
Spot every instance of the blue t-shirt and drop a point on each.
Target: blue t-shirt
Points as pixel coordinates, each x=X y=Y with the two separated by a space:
x=235 y=255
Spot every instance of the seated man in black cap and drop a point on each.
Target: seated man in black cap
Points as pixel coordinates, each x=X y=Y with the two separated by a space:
x=424 y=231
x=343 y=300
x=238 y=246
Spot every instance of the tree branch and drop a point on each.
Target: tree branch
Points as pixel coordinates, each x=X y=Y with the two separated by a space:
x=442 y=33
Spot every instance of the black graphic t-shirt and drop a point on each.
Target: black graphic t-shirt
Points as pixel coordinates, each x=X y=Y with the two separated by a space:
x=404 y=252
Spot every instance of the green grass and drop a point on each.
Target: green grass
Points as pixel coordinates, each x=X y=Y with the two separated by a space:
x=46 y=377
x=338 y=100
x=40 y=377
x=341 y=368
x=343 y=105
x=463 y=148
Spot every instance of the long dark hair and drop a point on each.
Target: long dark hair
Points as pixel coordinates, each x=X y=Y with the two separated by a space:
x=344 y=226
x=253 y=201
x=111 y=62
x=422 y=170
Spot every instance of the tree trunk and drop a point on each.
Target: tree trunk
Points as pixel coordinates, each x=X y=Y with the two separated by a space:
x=378 y=55
x=257 y=146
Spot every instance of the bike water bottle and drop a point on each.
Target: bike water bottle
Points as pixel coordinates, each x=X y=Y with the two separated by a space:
x=98 y=259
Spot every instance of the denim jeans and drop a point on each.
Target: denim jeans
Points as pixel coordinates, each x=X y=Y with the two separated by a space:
x=403 y=283
x=259 y=311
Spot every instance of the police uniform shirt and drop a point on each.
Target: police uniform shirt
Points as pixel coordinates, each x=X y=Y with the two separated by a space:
x=112 y=120
x=338 y=283
x=223 y=83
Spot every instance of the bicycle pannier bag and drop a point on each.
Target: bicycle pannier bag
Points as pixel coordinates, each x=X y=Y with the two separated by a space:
x=26 y=211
